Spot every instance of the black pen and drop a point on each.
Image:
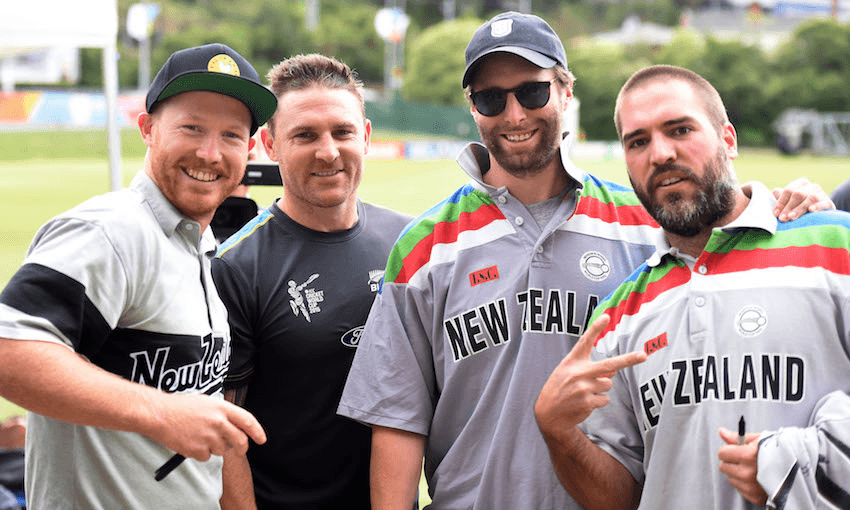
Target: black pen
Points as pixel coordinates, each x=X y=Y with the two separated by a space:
x=168 y=467
x=742 y=431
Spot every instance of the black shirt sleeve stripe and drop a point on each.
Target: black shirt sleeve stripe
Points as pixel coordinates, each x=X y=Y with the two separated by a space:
x=40 y=291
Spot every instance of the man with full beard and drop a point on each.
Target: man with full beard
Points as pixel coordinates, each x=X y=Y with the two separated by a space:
x=723 y=326
x=488 y=290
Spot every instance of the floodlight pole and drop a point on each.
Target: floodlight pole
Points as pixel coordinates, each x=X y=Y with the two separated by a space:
x=449 y=9
x=144 y=62
x=113 y=135
x=311 y=20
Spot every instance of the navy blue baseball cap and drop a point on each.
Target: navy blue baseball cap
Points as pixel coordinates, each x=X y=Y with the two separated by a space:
x=216 y=68
x=525 y=35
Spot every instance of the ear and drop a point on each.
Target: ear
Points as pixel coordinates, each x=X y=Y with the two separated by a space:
x=730 y=140
x=566 y=95
x=145 y=122
x=251 y=143
x=368 y=136
x=268 y=143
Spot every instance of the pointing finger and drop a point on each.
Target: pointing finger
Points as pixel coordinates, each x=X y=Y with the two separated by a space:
x=614 y=364
x=584 y=346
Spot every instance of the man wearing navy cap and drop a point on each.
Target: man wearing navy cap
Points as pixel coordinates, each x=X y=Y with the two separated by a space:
x=486 y=292
x=112 y=334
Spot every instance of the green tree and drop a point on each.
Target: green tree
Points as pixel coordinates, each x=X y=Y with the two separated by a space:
x=814 y=67
x=600 y=71
x=435 y=63
x=685 y=50
x=739 y=72
x=347 y=33
x=278 y=32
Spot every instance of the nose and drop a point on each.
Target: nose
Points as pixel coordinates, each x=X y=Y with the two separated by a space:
x=327 y=149
x=514 y=112
x=662 y=150
x=209 y=150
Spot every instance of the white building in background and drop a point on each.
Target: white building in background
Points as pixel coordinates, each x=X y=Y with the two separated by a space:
x=47 y=66
x=764 y=23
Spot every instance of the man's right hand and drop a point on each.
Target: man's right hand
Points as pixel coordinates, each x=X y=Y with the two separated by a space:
x=577 y=386
x=35 y=375
x=198 y=426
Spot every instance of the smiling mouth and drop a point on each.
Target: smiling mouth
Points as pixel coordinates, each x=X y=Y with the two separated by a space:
x=519 y=137
x=670 y=181
x=201 y=176
x=328 y=173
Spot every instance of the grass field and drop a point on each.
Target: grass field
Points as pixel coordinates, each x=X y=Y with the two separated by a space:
x=42 y=174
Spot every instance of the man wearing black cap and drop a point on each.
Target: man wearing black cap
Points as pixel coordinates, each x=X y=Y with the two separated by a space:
x=111 y=332
x=486 y=292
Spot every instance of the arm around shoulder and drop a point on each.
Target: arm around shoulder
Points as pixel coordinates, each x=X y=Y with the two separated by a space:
x=395 y=468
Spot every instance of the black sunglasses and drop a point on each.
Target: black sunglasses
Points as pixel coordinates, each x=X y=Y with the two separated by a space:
x=531 y=95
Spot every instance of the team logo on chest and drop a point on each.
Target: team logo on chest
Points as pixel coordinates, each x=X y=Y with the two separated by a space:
x=375 y=277
x=751 y=321
x=595 y=266
x=305 y=300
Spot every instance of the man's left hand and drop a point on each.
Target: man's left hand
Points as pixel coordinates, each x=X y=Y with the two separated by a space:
x=740 y=464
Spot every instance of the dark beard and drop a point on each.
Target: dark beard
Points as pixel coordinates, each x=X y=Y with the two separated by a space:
x=549 y=131
x=714 y=199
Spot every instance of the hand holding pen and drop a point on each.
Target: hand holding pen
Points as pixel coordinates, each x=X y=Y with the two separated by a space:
x=200 y=427
x=739 y=462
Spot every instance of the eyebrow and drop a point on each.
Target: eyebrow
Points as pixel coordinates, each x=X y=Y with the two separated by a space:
x=672 y=122
x=308 y=127
x=195 y=118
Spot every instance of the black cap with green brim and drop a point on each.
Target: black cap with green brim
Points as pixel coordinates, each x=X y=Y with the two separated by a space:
x=215 y=68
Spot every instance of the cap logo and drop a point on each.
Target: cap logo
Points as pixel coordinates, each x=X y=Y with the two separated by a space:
x=501 y=28
x=222 y=63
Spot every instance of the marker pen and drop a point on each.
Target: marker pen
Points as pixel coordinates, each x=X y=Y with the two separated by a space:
x=169 y=466
x=742 y=431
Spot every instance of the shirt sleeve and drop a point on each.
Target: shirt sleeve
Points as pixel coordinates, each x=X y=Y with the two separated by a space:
x=233 y=292
x=614 y=427
x=392 y=382
x=809 y=467
x=72 y=288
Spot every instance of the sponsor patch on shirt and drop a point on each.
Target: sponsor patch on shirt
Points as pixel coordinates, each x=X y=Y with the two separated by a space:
x=351 y=338
x=655 y=344
x=483 y=276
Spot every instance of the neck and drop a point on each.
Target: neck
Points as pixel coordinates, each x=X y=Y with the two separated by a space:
x=695 y=245
x=532 y=188
x=321 y=219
